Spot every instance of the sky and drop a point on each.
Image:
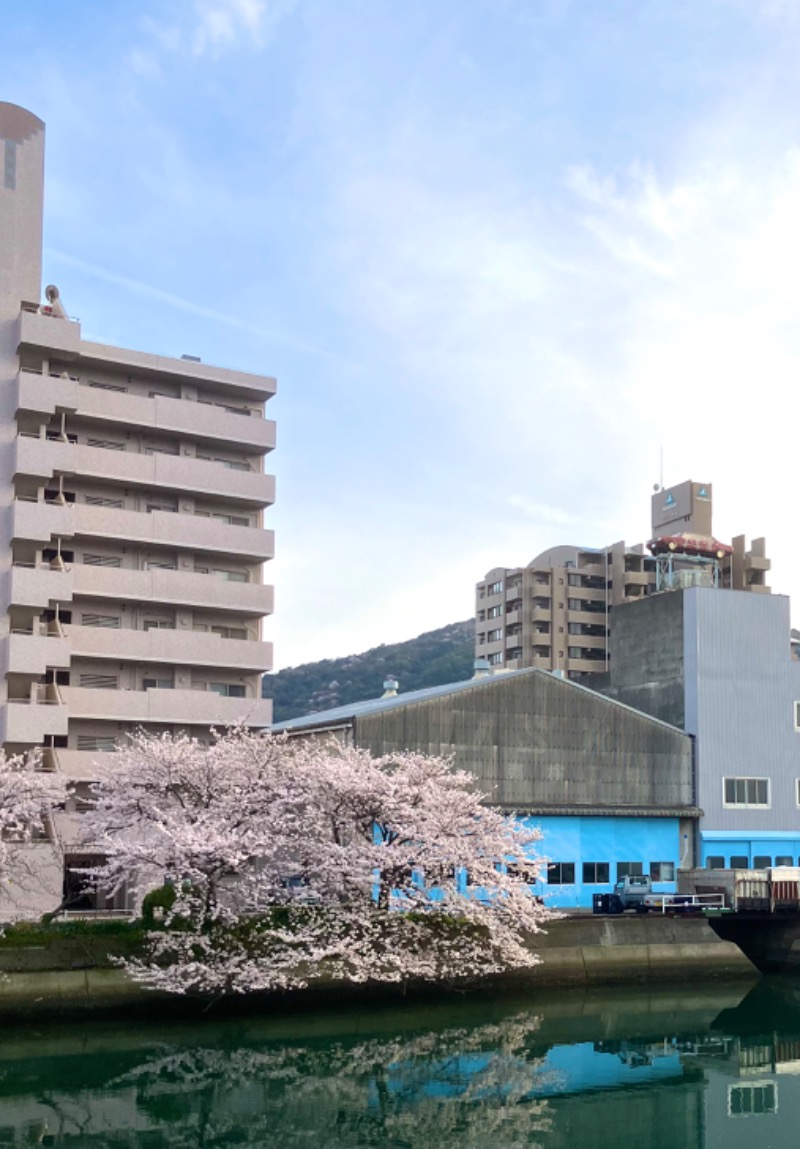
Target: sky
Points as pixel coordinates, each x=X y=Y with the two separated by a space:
x=499 y=254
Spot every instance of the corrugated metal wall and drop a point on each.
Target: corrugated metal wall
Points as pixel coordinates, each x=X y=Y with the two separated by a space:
x=537 y=739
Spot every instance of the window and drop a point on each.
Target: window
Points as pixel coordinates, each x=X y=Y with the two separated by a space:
x=596 y=873
x=100 y=681
x=157 y=684
x=574 y=651
x=108 y=620
x=560 y=873
x=749 y=1100
x=160 y=565
x=238 y=632
x=784 y=860
x=232 y=576
x=106 y=386
x=102 y=501
x=574 y=604
x=629 y=870
x=96 y=742
x=740 y=862
x=797 y=792
x=494 y=612
x=106 y=444
x=227 y=689
x=158 y=624
x=102 y=560
x=715 y=862
x=797 y=715
x=481 y=639
x=662 y=871
x=494 y=635
x=495 y=659
x=495 y=588
x=746 y=791
x=761 y=862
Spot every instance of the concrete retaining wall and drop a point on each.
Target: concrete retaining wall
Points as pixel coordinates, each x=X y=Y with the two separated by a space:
x=578 y=951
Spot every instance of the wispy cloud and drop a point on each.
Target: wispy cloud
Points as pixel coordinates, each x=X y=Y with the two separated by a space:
x=213 y=27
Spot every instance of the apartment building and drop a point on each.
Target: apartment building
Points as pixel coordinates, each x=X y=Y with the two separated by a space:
x=132 y=501
x=554 y=614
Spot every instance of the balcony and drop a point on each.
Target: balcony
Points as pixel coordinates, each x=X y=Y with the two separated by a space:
x=177 y=531
x=38 y=586
x=45 y=394
x=45 y=458
x=513 y=617
x=84 y=765
x=34 y=654
x=587 y=665
x=186 y=707
x=543 y=613
x=30 y=723
x=40 y=522
x=176 y=587
x=176 y=647
x=49 y=334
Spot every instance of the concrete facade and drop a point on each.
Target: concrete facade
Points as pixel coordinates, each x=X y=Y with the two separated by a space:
x=721 y=666
x=609 y=786
x=555 y=613
x=132 y=500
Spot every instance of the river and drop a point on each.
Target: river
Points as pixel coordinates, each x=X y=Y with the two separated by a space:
x=691 y=1067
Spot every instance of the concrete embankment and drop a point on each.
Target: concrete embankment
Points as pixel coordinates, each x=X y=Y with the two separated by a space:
x=69 y=979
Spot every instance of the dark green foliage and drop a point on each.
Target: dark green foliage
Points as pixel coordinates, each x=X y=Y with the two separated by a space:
x=433 y=659
x=163 y=897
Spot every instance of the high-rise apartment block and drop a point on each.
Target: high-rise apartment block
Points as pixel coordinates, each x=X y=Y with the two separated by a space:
x=133 y=496
x=555 y=612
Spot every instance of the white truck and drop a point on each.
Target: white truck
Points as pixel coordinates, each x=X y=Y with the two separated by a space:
x=635 y=892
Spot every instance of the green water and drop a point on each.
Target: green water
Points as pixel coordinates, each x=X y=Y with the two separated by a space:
x=687 y=1067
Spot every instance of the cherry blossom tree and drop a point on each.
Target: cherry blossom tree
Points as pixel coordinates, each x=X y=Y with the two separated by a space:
x=295 y=861
x=28 y=797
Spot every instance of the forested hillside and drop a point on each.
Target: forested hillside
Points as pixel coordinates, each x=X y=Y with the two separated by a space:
x=432 y=659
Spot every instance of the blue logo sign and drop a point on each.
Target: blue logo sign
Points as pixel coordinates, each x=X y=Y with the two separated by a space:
x=670 y=501
x=702 y=493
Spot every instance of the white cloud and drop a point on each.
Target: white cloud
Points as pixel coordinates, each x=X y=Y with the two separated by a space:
x=223 y=24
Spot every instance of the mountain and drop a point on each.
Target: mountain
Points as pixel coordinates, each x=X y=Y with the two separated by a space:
x=431 y=659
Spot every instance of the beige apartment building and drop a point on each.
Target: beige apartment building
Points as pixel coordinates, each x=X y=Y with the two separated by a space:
x=554 y=613
x=132 y=500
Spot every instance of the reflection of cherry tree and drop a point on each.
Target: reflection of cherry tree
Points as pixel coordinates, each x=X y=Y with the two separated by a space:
x=450 y=1090
x=291 y=860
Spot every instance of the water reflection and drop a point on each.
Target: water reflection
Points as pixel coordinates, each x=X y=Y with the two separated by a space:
x=607 y=1069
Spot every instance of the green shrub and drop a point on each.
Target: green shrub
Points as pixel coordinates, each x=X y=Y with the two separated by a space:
x=163 y=898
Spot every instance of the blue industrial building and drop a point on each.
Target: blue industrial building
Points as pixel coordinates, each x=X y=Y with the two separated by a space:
x=611 y=788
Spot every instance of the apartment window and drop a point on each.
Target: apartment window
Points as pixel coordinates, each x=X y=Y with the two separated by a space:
x=481 y=639
x=97 y=742
x=560 y=873
x=91 y=560
x=102 y=501
x=106 y=386
x=574 y=604
x=495 y=659
x=160 y=565
x=784 y=860
x=163 y=449
x=740 y=862
x=662 y=871
x=494 y=635
x=762 y=862
x=157 y=684
x=574 y=651
x=481 y=616
x=629 y=870
x=495 y=588
x=752 y=1099
x=229 y=631
x=227 y=689
x=231 y=576
x=158 y=624
x=494 y=612
x=596 y=873
x=106 y=444
x=100 y=681
x=111 y=621
x=715 y=862
x=746 y=792
x=574 y=580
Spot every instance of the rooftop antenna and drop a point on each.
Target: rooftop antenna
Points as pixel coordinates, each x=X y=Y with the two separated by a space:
x=659 y=486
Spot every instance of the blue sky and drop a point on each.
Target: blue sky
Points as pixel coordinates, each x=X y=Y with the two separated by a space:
x=496 y=252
